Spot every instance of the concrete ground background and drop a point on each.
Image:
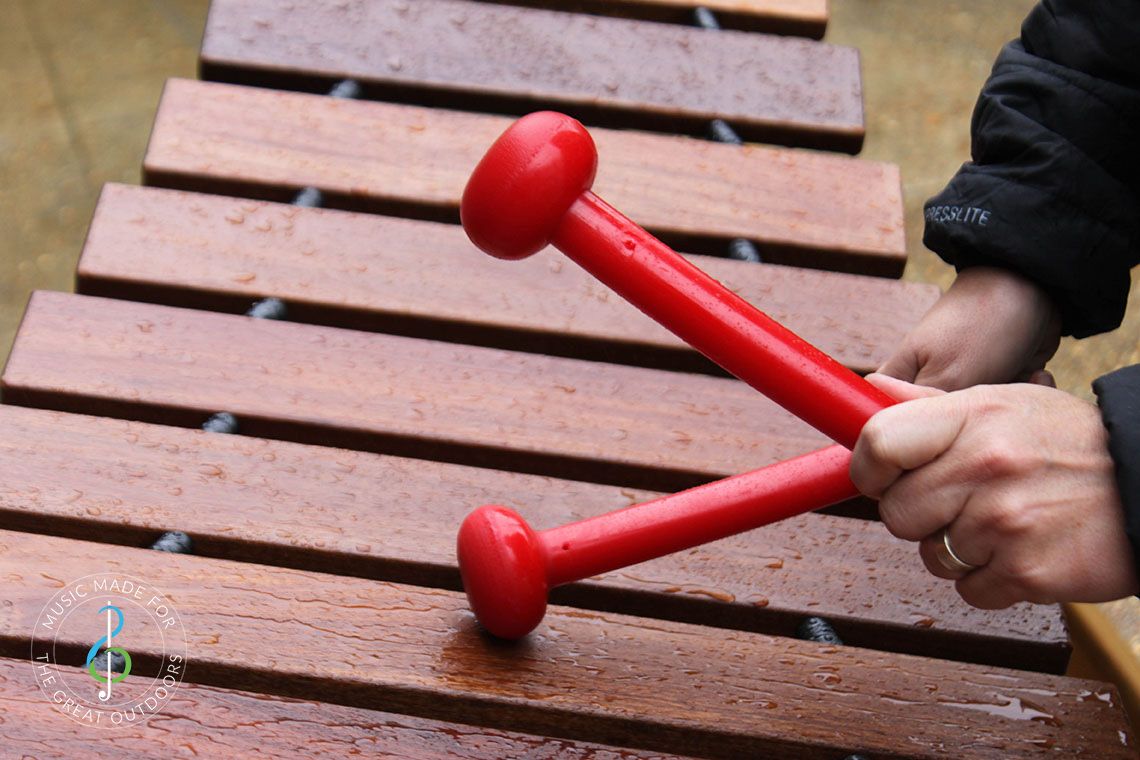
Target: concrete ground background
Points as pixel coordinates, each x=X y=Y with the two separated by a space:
x=79 y=81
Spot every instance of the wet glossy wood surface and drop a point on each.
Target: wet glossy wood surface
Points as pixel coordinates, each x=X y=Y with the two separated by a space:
x=602 y=677
x=210 y=722
x=427 y=280
x=297 y=591
x=800 y=207
x=524 y=412
x=806 y=18
x=606 y=71
x=247 y=499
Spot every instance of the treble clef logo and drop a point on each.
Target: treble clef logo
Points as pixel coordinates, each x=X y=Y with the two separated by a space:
x=108 y=679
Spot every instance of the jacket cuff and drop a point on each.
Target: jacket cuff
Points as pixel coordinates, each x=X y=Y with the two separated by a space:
x=1074 y=262
x=1118 y=394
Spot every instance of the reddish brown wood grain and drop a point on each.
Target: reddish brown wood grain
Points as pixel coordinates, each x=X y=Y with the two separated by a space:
x=804 y=208
x=608 y=678
x=210 y=722
x=523 y=412
x=606 y=71
x=807 y=18
x=206 y=721
x=426 y=279
x=387 y=518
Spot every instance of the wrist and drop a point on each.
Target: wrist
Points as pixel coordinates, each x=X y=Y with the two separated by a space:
x=1004 y=288
x=1014 y=303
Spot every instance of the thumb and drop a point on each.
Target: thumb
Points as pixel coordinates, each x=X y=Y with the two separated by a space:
x=905 y=437
x=1043 y=377
x=901 y=390
x=903 y=364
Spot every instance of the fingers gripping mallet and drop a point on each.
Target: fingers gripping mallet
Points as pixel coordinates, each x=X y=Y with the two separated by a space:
x=532 y=189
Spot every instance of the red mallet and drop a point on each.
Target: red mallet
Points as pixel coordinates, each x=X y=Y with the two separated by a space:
x=508 y=568
x=533 y=189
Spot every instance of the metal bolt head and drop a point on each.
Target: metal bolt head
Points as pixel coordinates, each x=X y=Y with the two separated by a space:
x=345 y=89
x=222 y=422
x=705 y=19
x=309 y=197
x=118 y=662
x=818 y=630
x=743 y=250
x=268 y=308
x=721 y=131
x=175 y=542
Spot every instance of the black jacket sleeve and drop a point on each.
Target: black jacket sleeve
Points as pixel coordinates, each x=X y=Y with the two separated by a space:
x=1053 y=191
x=1119 y=396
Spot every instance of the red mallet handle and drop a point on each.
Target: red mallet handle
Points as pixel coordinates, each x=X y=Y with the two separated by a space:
x=533 y=189
x=508 y=568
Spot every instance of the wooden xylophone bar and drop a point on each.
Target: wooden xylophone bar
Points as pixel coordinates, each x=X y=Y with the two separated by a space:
x=413 y=380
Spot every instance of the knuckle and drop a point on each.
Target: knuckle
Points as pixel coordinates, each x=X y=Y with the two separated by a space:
x=1000 y=455
x=891 y=517
x=1008 y=517
x=1029 y=581
x=984 y=400
x=861 y=475
x=1020 y=577
x=898 y=517
x=1026 y=570
x=876 y=440
x=985 y=599
x=870 y=463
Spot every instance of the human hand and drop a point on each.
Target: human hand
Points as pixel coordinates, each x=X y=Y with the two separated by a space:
x=991 y=326
x=1021 y=478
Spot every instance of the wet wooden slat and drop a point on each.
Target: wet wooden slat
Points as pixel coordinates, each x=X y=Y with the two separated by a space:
x=806 y=18
x=210 y=722
x=548 y=415
x=426 y=279
x=244 y=498
x=607 y=71
x=800 y=207
x=607 y=678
